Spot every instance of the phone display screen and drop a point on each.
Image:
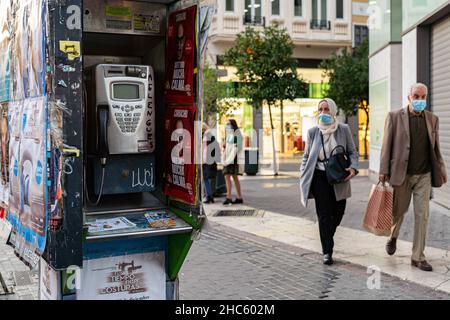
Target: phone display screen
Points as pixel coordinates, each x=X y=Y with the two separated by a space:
x=125 y=91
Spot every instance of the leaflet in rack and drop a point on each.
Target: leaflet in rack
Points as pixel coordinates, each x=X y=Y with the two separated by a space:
x=159 y=219
x=102 y=225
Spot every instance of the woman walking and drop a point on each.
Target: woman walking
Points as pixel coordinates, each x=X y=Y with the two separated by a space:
x=233 y=145
x=330 y=199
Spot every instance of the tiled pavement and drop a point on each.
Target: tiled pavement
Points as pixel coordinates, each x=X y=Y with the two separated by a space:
x=226 y=264
x=21 y=282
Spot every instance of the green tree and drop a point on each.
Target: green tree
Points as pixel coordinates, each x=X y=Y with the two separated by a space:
x=348 y=75
x=215 y=99
x=266 y=69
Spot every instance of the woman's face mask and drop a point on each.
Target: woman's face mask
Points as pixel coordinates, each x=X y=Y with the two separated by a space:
x=325 y=118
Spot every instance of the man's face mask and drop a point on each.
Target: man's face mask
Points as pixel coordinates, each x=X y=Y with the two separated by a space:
x=419 y=105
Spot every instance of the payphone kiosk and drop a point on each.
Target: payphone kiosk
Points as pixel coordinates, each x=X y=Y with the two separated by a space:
x=120 y=122
x=94 y=200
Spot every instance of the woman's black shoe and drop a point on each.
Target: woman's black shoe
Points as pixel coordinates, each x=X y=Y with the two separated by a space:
x=327 y=259
x=238 y=201
x=227 y=202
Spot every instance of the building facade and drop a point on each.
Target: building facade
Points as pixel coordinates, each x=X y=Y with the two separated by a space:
x=410 y=42
x=318 y=28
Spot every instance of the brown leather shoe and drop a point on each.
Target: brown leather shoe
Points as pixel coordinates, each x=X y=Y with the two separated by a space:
x=422 y=265
x=391 y=246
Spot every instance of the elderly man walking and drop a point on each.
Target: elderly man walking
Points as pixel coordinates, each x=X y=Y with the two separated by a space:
x=411 y=161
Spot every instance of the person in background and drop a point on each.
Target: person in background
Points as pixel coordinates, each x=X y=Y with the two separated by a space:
x=330 y=199
x=411 y=161
x=209 y=164
x=232 y=147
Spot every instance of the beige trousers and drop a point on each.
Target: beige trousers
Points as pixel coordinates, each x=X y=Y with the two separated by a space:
x=418 y=186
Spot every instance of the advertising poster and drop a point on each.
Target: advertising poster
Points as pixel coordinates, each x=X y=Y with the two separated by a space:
x=28 y=173
x=131 y=277
x=13 y=153
x=48 y=282
x=28 y=65
x=180 y=165
x=5 y=51
x=181 y=56
x=5 y=228
x=4 y=155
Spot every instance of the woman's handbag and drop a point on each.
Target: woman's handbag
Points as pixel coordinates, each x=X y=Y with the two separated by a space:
x=379 y=212
x=336 y=164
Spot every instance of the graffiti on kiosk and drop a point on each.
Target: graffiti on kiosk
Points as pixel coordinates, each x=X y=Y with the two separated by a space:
x=146 y=180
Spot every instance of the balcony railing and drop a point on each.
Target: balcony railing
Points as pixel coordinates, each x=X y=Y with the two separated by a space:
x=254 y=20
x=320 y=24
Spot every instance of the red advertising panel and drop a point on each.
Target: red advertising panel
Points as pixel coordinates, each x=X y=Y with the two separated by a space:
x=181 y=53
x=180 y=154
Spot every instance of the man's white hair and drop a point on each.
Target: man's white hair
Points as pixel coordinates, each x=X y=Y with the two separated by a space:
x=418 y=85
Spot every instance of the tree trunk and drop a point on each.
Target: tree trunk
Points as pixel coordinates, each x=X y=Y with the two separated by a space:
x=282 y=127
x=274 y=156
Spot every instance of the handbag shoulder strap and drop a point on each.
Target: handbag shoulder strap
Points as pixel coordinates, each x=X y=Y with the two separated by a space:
x=323 y=147
x=337 y=147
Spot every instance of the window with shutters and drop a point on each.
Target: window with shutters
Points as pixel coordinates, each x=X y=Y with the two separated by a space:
x=298 y=8
x=361 y=33
x=339 y=9
x=229 y=5
x=275 y=7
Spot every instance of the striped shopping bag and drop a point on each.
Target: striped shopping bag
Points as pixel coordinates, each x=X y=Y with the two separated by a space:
x=379 y=212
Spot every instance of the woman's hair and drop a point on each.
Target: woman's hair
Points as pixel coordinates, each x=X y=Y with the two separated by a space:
x=233 y=124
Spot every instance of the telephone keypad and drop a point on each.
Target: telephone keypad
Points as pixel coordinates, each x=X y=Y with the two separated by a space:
x=127 y=119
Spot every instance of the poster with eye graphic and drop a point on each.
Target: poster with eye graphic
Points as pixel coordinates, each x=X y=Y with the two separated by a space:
x=28 y=196
x=180 y=169
x=181 y=56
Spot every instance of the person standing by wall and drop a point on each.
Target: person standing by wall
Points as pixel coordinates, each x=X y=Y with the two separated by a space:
x=411 y=161
x=330 y=199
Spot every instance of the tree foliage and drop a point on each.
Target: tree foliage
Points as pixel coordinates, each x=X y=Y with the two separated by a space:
x=265 y=66
x=349 y=82
x=348 y=75
x=215 y=95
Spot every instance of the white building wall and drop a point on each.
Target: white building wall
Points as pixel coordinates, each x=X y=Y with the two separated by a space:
x=409 y=41
x=231 y=23
x=385 y=69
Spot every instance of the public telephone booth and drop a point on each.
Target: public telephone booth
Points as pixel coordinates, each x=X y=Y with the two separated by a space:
x=103 y=101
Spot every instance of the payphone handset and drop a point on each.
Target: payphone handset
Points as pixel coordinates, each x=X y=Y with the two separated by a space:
x=124 y=109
